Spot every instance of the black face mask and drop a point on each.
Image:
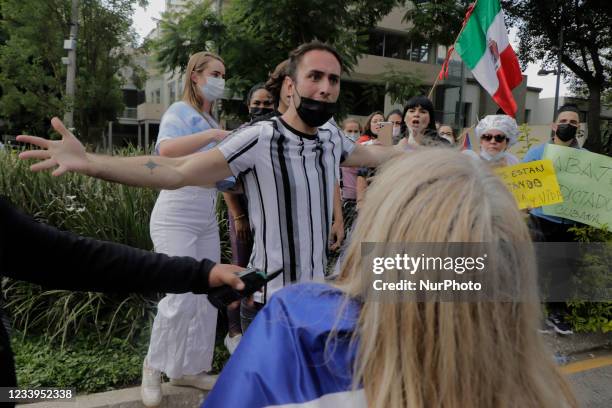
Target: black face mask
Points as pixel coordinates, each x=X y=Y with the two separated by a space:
x=566 y=132
x=256 y=112
x=315 y=113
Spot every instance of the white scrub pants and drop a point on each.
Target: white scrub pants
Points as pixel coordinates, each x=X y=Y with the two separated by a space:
x=184 y=223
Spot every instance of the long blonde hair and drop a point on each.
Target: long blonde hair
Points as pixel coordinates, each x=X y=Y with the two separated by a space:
x=197 y=63
x=443 y=354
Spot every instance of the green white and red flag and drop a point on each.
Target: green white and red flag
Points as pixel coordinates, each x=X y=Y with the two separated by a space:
x=484 y=47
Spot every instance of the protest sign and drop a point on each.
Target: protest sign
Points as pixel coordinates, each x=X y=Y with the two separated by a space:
x=585 y=179
x=533 y=184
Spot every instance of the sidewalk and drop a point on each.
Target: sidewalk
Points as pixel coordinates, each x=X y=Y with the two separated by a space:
x=577 y=343
x=184 y=397
x=174 y=397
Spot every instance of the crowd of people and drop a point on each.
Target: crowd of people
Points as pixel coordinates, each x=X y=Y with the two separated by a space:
x=306 y=185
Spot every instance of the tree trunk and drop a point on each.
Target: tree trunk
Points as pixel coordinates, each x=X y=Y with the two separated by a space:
x=593 y=142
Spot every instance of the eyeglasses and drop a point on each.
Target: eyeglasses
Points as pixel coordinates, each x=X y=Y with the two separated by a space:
x=498 y=138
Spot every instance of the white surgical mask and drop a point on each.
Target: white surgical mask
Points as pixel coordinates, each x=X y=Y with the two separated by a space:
x=396 y=131
x=352 y=135
x=493 y=158
x=213 y=88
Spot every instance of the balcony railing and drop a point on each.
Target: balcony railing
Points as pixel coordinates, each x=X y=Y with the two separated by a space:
x=129 y=113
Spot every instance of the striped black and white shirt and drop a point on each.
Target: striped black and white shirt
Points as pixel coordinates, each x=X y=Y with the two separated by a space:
x=288 y=177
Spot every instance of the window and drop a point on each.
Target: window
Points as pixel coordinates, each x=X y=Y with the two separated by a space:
x=420 y=52
x=397 y=47
x=376 y=43
x=392 y=45
x=362 y=99
x=171 y=92
x=467 y=114
x=527 y=115
x=157 y=96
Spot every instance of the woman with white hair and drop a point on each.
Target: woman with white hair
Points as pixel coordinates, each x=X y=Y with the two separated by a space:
x=497 y=133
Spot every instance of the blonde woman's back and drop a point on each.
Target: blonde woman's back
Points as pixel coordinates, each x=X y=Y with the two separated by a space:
x=330 y=347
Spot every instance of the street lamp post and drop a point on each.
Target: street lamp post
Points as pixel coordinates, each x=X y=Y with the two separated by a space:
x=70 y=45
x=558 y=72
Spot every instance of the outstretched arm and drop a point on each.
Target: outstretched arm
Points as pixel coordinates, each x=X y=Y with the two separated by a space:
x=184 y=145
x=68 y=154
x=38 y=253
x=372 y=155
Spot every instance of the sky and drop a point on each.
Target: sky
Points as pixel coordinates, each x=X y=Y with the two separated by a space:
x=144 y=22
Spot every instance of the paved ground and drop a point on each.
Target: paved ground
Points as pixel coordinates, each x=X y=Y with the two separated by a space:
x=591 y=378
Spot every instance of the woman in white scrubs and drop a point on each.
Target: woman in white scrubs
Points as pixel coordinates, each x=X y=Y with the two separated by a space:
x=184 y=223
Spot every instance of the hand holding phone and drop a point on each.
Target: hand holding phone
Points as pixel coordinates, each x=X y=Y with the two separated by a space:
x=253 y=279
x=385 y=133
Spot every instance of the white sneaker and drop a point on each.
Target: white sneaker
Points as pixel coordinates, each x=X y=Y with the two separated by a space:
x=202 y=381
x=232 y=342
x=150 y=389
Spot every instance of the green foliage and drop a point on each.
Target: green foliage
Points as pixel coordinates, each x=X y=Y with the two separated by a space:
x=254 y=36
x=91 y=341
x=437 y=21
x=86 y=363
x=32 y=76
x=31 y=71
x=524 y=140
x=184 y=33
x=89 y=207
x=590 y=317
x=400 y=86
x=594 y=273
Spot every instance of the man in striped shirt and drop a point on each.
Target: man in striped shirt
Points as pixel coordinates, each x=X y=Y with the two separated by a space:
x=288 y=167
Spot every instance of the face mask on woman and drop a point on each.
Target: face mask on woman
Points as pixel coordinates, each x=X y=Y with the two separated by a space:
x=492 y=157
x=213 y=88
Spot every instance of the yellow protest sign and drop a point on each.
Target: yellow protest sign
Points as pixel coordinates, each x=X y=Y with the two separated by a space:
x=533 y=184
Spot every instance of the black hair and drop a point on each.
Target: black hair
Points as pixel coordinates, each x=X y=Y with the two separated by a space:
x=296 y=55
x=275 y=81
x=395 y=112
x=425 y=103
x=254 y=89
x=568 y=107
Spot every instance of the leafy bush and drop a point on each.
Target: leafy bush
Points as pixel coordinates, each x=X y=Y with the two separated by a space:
x=91 y=341
x=84 y=363
x=93 y=208
x=593 y=316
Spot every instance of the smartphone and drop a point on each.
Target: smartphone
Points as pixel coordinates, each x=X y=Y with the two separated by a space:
x=385 y=133
x=254 y=280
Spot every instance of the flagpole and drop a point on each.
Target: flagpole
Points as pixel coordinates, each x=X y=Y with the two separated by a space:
x=452 y=47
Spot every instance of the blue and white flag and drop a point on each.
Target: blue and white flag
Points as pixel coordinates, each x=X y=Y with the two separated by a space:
x=285 y=358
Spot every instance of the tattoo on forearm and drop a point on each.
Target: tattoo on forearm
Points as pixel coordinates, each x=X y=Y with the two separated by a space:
x=151 y=165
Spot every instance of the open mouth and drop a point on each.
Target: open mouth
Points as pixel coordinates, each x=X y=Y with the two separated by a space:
x=416 y=122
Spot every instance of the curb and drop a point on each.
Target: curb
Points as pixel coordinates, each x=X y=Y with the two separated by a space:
x=174 y=397
x=577 y=343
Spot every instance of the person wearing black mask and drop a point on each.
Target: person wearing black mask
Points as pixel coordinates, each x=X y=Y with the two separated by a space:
x=259 y=101
x=288 y=167
x=548 y=228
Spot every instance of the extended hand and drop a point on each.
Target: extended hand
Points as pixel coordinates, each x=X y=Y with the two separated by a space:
x=221 y=134
x=225 y=274
x=64 y=155
x=243 y=229
x=336 y=236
